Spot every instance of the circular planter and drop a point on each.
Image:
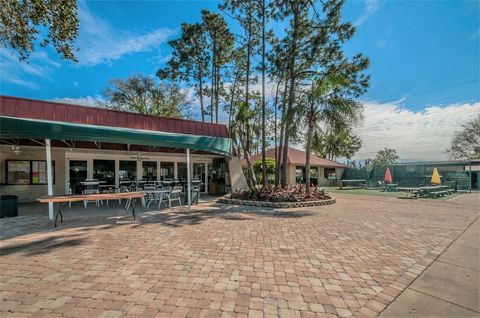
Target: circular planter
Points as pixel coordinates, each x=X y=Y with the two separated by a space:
x=277 y=204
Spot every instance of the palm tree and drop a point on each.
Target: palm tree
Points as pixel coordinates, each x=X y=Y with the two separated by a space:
x=328 y=108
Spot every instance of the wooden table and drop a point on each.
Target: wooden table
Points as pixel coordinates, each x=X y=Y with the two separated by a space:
x=89 y=197
x=409 y=191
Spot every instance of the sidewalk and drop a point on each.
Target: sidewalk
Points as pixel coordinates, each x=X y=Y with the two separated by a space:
x=449 y=287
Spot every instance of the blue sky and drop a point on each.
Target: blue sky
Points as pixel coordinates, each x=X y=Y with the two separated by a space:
x=424 y=60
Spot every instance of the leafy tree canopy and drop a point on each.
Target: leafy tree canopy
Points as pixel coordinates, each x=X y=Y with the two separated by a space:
x=141 y=94
x=466 y=143
x=270 y=165
x=385 y=157
x=341 y=143
x=22 y=23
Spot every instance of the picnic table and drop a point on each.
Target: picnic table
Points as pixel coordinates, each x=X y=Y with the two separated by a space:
x=361 y=183
x=89 y=197
x=410 y=192
x=434 y=191
x=390 y=187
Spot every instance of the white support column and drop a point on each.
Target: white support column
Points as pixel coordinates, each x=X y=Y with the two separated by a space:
x=175 y=170
x=188 y=179
x=117 y=173
x=139 y=170
x=206 y=177
x=158 y=170
x=90 y=168
x=48 y=151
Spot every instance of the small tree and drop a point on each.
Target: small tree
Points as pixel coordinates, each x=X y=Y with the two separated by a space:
x=385 y=157
x=21 y=23
x=466 y=143
x=140 y=94
x=269 y=171
x=340 y=143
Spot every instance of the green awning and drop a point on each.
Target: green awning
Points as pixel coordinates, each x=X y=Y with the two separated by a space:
x=23 y=128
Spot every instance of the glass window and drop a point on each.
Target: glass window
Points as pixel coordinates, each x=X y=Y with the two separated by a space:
x=128 y=170
x=104 y=170
x=28 y=172
x=39 y=172
x=300 y=174
x=18 y=172
x=166 y=170
x=330 y=173
x=182 y=171
x=149 y=170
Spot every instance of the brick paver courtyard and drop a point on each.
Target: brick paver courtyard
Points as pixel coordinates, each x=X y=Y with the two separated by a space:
x=348 y=259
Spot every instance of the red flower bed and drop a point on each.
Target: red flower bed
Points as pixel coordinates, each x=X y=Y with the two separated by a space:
x=292 y=194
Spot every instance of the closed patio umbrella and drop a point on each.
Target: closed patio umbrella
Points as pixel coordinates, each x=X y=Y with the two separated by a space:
x=435 y=177
x=388 y=176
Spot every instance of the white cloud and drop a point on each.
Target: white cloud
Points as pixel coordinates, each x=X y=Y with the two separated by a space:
x=416 y=135
x=100 y=43
x=85 y=101
x=370 y=7
x=38 y=66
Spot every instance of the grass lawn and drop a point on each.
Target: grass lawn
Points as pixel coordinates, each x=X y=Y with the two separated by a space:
x=399 y=194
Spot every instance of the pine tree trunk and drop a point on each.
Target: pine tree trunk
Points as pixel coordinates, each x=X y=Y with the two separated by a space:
x=214 y=52
x=200 y=80
x=264 y=143
x=291 y=100
x=308 y=150
x=217 y=83
x=275 y=105
x=282 y=133
x=251 y=172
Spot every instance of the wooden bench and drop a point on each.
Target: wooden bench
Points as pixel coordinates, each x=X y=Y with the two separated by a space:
x=58 y=199
x=436 y=194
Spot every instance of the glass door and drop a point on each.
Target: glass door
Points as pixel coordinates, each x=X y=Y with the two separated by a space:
x=78 y=173
x=199 y=175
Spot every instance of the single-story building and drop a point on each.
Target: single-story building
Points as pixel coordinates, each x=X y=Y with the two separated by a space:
x=324 y=172
x=108 y=145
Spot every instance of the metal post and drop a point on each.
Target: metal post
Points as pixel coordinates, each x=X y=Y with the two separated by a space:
x=48 y=151
x=470 y=179
x=188 y=179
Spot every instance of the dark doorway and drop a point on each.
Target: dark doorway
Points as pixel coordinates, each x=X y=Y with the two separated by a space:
x=78 y=173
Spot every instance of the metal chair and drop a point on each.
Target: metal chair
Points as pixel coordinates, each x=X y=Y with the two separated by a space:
x=91 y=187
x=175 y=195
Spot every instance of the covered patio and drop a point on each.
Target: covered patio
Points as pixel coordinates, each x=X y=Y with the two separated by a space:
x=56 y=149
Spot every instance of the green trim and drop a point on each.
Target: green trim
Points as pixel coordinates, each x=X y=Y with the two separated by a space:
x=13 y=127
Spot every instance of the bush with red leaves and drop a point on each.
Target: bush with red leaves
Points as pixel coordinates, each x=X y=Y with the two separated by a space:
x=294 y=193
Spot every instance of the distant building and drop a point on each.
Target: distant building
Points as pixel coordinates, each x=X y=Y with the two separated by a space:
x=323 y=171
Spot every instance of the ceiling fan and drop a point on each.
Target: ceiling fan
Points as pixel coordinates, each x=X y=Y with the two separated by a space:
x=138 y=157
x=16 y=150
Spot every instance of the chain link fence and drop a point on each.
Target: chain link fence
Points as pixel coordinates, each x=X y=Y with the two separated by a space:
x=461 y=175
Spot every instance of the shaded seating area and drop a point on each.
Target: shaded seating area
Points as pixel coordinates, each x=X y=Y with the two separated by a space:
x=101 y=155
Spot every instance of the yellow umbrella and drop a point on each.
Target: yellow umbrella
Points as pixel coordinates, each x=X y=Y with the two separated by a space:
x=436 y=177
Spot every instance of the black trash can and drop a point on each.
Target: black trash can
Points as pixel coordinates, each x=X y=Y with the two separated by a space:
x=8 y=206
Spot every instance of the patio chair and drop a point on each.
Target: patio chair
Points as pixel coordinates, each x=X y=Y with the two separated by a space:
x=175 y=195
x=91 y=187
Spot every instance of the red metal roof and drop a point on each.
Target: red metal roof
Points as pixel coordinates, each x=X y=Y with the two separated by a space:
x=46 y=110
x=297 y=157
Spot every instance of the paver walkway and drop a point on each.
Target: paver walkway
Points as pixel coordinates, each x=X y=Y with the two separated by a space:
x=348 y=259
x=447 y=288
